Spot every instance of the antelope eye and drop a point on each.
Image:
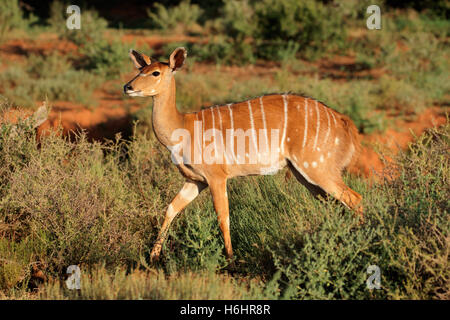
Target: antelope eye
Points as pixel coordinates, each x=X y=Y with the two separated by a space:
x=155 y=73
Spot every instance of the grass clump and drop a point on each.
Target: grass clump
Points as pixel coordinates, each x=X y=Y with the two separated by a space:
x=99 y=283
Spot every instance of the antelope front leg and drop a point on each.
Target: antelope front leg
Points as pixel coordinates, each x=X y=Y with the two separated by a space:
x=189 y=192
x=220 y=199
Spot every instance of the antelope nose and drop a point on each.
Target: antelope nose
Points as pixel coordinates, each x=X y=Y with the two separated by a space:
x=127 y=87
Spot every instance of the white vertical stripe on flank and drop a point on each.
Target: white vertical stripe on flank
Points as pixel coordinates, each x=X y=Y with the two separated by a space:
x=334 y=118
x=220 y=119
x=197 y=139
x=232 y=132
x=221 y=135
x=214 y=133
x=252 y=124
x=306 y=123
x=203 y=128
x=264 y=123
x=329 y=126
x=231 y=116
x=285 y=122
x=317 y=126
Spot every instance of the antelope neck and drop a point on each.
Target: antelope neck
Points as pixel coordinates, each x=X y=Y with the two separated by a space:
x=165 y=116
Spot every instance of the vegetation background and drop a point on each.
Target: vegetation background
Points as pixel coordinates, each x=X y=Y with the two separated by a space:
x=89 y=187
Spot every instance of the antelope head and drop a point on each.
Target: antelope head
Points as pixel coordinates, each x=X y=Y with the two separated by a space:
x=154 y=77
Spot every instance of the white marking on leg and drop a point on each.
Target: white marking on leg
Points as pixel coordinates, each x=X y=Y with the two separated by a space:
x=314 y=164
x=189 y=192
x=305 y=164
x=336 y=141
x=317 y=126
x=306 y=124
x=170 y=211
x=321 y=158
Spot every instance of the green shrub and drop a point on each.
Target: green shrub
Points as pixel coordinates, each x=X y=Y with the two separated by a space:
x=15 y=263
x=57 y=16
x=104 y=57
x=406 y=236
x=185 y=16
x=92 y=29
x=272 y=30
x=51 y=77
x=12 y=17
x=307 y=22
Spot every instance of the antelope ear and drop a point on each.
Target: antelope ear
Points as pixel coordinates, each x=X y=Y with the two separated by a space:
x=140 y=60
x=177 y=58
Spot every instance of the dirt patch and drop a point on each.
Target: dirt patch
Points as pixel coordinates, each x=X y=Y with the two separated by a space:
x=13 y=115
x=109 y=118
x=156 y=42
x=345 y=67
x=393 y=140
x=19 y=49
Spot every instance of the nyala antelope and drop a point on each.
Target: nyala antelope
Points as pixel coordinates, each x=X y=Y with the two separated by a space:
x=314 y=141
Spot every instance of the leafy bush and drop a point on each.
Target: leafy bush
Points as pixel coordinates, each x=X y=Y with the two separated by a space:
x=92 y=29
x=268 y=29
x=307 y=22
x=51 y=77
x=12 y=17
x=57 y=15
x=104 y=57
x=406 y=235
x=185 y=16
